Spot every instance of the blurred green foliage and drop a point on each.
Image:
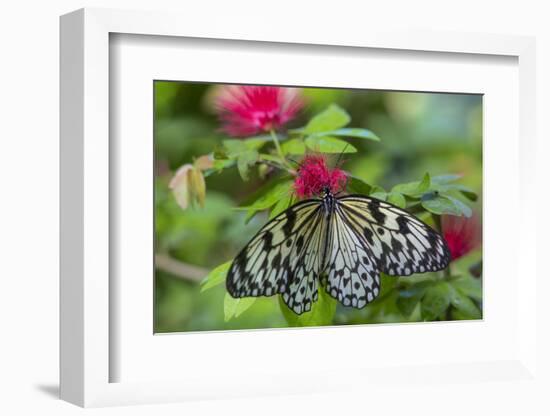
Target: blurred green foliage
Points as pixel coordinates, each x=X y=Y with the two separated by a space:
x=419 y=132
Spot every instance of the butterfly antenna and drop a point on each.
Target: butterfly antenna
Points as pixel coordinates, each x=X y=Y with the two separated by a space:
x=341 y=154
x=293 y=161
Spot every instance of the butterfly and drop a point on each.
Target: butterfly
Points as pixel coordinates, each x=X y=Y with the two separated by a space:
x=339 y=244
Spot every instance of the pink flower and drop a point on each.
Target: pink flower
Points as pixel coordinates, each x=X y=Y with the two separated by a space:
x=247 y=110
x=314 y=177
x=462 y=234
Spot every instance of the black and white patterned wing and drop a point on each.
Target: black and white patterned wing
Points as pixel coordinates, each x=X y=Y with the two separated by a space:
x=351 y=274
x=283 y=257
x=368 y=236
x=400 y=243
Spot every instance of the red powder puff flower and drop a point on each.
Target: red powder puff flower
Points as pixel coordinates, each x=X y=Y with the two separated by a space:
x=248 y=110
x=314 y=177
x=462 y=234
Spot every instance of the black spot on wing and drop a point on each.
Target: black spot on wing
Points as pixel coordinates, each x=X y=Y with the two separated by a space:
x=299 y=243
x=267 y=239
x=401 y=221
x=290 y=221
x=276 y=262
x=377 y=214
x=396 y=245
x=368 y=235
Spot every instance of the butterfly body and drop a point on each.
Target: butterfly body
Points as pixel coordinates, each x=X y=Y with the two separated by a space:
x=339 y=244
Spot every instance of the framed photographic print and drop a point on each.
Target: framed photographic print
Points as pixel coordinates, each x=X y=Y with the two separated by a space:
x=241 y=216
x=332 y=234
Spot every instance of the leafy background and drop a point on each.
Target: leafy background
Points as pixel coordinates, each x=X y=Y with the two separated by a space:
x=420 y=132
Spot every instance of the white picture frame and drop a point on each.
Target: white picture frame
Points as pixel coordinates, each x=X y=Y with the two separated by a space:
x=87 y=302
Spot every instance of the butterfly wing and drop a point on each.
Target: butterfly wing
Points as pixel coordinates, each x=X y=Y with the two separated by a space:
x=400 y=243
x=347 y=250
x=368 y=236
x=283 y=257
x=351 y=275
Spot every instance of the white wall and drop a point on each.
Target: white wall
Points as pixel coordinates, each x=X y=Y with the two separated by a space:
x=29 y=205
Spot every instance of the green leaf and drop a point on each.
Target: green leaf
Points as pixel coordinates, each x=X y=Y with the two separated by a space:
x=234 y=147
x=293 y=147
x=245 y=160
x=435 y=302
x=425 y=184
x=216 y=276
x=270 y=197
x=440 y=205
x=233 y=308
x=408 y=298
x=283 y=204
x=219 y=165
x=271 y=158
x=397 y=199
x=444 y=179
x=261 y=200
x=469 y=286
x=299 y=131
x=255 y=143
x=332 y=118
x=328 y=144
x=387 y=286
x=321 y=313
x=245 y=151
x=464 y=190
x=219 y=152
x=413 y=189
x=465 y=305
x=471 y=195
x=442 y=184
x=352 y=132
x=409 y=189
x=445 y=205
x=358 y=186
x=464 y=209
x=378 y=193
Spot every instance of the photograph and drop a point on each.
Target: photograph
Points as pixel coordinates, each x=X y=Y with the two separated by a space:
x=302 y=206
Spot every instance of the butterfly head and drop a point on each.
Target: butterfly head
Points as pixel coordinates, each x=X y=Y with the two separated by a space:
x=327 y=192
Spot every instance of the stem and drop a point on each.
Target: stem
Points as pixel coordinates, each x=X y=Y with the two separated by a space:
x=270 y=163
x=179 y=269
x=279 y=150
